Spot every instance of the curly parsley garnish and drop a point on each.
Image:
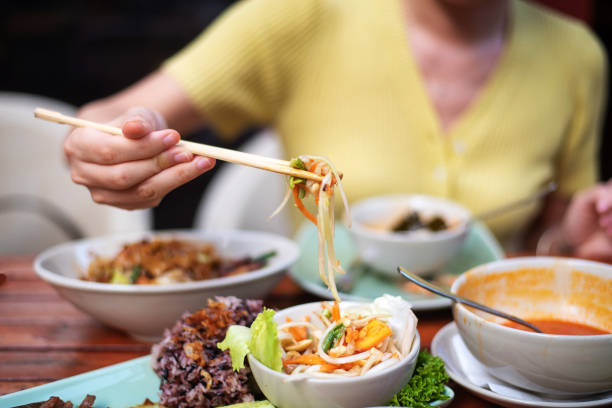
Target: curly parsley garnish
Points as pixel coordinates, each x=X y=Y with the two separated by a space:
x=426 y=384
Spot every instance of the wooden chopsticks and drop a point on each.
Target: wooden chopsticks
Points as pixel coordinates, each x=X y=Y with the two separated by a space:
x=233 y=156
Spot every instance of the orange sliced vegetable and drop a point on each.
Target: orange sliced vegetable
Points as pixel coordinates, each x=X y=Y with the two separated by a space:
x=374 y=333
x=142 y=280
x=299 y=333
x=328 y=368
x=300 y=205
x=314 y=359
x=351 y=335
x=308 y=359
x=336 y=312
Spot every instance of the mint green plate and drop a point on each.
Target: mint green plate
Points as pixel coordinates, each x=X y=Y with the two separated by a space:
x=117 y=386
x=479 y=247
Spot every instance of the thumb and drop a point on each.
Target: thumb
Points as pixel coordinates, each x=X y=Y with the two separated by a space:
x=580 y=219
x=139 y=121
x=603 y=199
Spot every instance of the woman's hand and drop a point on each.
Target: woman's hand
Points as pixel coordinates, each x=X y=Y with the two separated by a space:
x=587 y=225
x=135 y=170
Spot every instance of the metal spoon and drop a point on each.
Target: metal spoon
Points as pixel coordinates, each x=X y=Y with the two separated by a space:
x=455 y=298
x=347 y=281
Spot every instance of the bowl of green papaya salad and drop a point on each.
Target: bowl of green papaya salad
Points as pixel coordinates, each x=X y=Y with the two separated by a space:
x=337 y=354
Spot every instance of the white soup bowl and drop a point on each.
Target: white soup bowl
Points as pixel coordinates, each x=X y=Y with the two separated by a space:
x=540 y=288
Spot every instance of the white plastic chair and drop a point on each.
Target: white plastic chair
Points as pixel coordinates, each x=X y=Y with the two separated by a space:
x=39 y=204
x=241 y=197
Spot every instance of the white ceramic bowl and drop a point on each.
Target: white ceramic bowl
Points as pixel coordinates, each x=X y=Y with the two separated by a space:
x=418 y=251
x=144 y=311
x=540 y=288
x=368 y=390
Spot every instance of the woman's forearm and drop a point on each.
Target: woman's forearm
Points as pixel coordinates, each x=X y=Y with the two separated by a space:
x=158 y=92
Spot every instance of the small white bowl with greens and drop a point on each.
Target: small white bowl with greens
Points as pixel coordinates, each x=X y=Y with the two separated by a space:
x=324 y=354
x=422 y=233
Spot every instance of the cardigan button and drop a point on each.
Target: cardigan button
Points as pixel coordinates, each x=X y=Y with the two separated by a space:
x=439 y=174
x=458 y=147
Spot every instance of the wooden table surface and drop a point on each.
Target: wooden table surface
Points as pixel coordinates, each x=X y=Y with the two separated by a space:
x=44 y=338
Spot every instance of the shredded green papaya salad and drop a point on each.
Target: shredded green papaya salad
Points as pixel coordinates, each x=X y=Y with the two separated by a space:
x=336 y=340
x=323 y=194
x=340 y=341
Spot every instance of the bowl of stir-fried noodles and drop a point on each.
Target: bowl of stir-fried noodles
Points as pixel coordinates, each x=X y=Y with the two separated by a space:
x=337 y=354
x=141 y=283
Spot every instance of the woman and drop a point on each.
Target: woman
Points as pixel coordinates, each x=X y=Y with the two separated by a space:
x=480 y=101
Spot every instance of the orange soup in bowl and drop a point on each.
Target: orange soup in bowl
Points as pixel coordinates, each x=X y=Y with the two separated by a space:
x=559 y=327
x=557 y=293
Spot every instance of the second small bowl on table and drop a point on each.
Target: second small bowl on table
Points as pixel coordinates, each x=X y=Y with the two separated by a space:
x=419 y=251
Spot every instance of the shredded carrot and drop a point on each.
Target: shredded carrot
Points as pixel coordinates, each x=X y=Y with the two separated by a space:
x=142 y=280
x=374 y=333
x=351 y=335
x=309 y=359
x=299 y=333
x=336 y=312
x=315 y=359
x=328 y=368
x=300 y=206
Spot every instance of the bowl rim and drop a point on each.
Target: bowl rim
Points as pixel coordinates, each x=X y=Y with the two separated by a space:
x=414 y=351
x=290 y=254
x=515 y=263
x=385 y=236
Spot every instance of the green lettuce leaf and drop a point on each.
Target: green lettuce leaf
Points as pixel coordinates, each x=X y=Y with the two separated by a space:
x=264 y=343
x=237 y=340
x=261 y=340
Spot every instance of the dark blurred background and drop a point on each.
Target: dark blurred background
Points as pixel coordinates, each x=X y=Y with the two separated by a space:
x=78 y=51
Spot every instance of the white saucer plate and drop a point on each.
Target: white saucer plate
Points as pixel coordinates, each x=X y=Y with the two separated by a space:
x=443 y=347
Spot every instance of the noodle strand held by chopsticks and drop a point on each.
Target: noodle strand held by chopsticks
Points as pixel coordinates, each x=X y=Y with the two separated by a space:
x=323 y=193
